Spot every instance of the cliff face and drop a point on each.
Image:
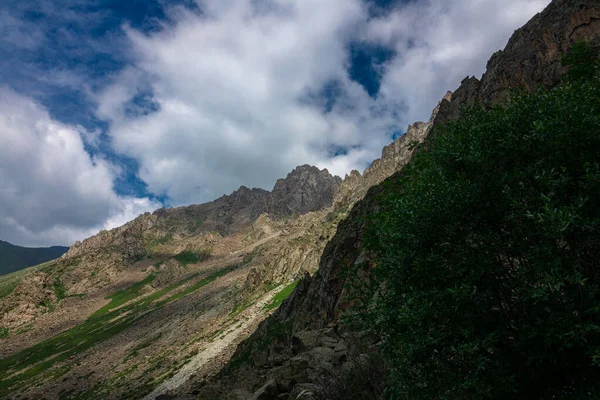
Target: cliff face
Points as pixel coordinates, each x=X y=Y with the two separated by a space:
x=393 y=157
x=196 y=280
x=305 y=189
x=296 y=351
x=532 y=57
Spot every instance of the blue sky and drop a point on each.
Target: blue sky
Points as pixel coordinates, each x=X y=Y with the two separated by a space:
x=111 y=108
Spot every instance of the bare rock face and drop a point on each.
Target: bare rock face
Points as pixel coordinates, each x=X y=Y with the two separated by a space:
x=532 y=57
x=305 y=189
x=223 y=215
x=30 y=298
x=393 y=158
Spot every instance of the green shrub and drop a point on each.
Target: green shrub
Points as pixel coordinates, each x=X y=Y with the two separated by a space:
x=188 y=257
x=488 y=245
x=59 y=289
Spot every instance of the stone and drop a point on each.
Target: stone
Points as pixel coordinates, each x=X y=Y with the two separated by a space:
x=307 y=391
x=305 y=189
x=268 y=391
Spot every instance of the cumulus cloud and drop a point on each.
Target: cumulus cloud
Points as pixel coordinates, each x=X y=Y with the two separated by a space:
x=234 y=95
x=439 y=43
x=235 y=98
x=236 y=92
x=53 y=191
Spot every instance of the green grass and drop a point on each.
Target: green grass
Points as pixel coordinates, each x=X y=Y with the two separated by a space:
x=151 y=243
x=32 y=365
x=203 y=282
x=281 y=296
x=134 y=352
x=3 y=333
x=123 y=296
x=8 y=288
x=239 y=308
x=188 y=257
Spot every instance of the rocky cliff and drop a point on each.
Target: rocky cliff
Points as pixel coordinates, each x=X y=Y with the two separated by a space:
x=157 y=306
x=305 y=189
x=532 y=57
x=393 y=157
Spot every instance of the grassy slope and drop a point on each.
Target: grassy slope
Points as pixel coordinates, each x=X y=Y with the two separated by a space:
x=34 y=364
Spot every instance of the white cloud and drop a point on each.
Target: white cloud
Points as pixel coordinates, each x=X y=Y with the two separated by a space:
x=232 y=97
x=232 y=90
x=53 y=191
x=441 y=42
x=232 y=85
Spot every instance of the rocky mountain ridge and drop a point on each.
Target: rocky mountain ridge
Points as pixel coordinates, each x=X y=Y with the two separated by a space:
x=256 y=243
x=531 y=58
x=124 y=312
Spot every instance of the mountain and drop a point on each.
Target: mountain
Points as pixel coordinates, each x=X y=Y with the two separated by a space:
x=301 y=351
x=242 y=297
x=14 y=258
x=177 y=287
x=163 y=290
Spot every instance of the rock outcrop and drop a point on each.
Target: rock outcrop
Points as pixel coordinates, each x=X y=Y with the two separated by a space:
x=311 y=224
x=34 y=295
x=305 y=189
x=532 y=57
x=393 y=158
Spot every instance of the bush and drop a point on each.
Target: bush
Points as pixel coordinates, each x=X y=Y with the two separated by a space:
x=488 y=245
x=187 y=257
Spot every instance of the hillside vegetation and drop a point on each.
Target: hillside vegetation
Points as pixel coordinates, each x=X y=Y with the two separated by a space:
x=488 y=244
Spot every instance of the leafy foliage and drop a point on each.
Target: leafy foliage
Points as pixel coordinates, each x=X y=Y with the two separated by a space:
x=59 y=289
x=488 y=245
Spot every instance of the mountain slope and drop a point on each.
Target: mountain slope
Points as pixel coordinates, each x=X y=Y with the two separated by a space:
x=14 y=258
x=185 y=280
x=300 y=351
x=174 y=285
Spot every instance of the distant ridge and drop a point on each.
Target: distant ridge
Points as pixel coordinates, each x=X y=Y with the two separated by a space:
x=14 y=258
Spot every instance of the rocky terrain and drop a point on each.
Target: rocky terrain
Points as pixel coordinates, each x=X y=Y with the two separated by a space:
x=244 y=297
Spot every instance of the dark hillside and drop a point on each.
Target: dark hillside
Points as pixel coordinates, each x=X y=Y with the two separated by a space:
x=14 y=258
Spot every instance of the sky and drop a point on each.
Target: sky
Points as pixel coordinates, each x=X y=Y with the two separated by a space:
x=110 y=108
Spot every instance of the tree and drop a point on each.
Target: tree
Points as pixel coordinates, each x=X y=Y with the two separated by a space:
x=488 y=248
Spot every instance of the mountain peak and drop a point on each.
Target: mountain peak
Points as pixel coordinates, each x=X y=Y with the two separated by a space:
x=305 y=189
